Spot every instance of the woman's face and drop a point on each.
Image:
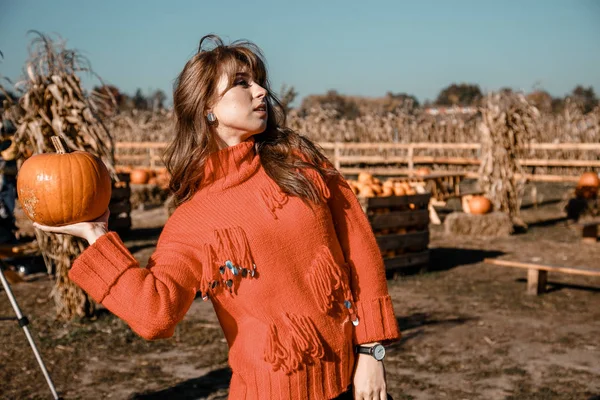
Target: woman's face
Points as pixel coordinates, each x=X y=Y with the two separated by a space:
x=241 y=111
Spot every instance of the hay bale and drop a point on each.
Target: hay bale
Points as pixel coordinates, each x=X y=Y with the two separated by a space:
x=495 y=224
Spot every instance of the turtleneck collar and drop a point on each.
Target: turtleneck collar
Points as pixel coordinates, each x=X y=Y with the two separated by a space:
x=230 y=166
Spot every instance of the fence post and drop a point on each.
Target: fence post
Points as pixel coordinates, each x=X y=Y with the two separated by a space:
x=151 y=155
x=336 y=155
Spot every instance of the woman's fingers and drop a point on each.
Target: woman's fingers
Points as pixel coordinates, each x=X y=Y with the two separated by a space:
x=46 y=228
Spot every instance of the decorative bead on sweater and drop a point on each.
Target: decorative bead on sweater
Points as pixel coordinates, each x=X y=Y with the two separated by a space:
x=294 y=287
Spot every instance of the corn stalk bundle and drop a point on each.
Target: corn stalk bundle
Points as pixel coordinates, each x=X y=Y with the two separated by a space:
x=508 y=125
x=52 y=102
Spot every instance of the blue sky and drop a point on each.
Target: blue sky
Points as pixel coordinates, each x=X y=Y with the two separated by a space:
x=355 y=47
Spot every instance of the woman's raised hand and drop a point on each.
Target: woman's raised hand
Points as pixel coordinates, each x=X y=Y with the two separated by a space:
x=89 y=231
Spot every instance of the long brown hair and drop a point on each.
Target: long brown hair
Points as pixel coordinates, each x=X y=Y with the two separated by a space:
x=285 y=155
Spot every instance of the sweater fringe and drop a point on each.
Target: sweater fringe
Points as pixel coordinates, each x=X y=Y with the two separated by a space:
x=224 y=268
x=328 y=282
x=299 y=344
x=273 y=197
x=209 y=273
x=319 y=182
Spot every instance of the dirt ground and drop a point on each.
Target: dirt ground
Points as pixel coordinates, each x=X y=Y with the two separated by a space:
x=470 y=331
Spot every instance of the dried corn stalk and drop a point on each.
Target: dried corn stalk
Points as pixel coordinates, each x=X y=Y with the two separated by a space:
x=508 y=125
x=52 y=102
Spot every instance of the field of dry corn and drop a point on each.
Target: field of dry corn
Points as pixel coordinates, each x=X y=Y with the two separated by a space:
x=399 y=126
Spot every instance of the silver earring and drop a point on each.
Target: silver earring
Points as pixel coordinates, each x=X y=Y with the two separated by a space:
x=211 y=118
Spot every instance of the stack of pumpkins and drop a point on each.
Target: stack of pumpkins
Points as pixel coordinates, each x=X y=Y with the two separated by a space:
x=147 y=176
x=368 y=186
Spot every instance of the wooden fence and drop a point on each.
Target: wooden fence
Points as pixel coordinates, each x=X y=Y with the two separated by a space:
x=149 y=155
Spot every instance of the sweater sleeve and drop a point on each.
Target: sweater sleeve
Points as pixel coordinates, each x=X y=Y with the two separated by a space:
x=151 y=300
x=377 y=321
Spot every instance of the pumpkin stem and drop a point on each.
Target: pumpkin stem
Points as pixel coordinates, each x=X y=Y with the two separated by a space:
x=58 y=145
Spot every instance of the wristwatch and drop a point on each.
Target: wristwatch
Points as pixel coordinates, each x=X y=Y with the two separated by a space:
x=377 y=351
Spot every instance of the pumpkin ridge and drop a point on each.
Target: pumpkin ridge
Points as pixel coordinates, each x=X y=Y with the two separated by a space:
x=72 y=160
x=47 y=209
x=91 y=182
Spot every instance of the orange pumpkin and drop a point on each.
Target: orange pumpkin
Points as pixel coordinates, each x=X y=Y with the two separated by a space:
x=62 y=189
x=139 y=176
x=480 y=205
x=423 y=171
x=589 y=179
x=399 y=191
x=387 y=191
x=366 y=191
x=365 y=177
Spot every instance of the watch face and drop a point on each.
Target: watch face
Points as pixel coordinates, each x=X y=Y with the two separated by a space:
x=379 y=352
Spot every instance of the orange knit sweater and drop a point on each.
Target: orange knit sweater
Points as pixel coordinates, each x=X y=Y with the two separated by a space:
x=294 y=287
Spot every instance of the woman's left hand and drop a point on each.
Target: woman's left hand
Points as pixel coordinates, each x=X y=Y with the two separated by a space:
x=369 y=379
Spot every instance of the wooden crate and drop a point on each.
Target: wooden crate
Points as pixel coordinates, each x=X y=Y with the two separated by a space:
x=120 y=205
x=401 y=227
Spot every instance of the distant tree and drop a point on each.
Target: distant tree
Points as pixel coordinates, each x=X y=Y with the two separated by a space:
x=558 y=105
x=404 y=97
x=463 y=95
x=157 y=100
x=541 y=99
x=287 y=95
x=585 y=97
x=332 y=100
x=139 y=100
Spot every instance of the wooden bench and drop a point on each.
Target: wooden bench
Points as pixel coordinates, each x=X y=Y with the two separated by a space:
x=537 y=274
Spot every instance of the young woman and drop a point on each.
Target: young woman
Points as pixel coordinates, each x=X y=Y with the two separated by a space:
x=267 y=230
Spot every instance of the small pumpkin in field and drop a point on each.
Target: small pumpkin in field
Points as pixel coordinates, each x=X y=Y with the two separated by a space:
x=139 y=176
x=480 y=205
x=589 y=179
x=63 y=188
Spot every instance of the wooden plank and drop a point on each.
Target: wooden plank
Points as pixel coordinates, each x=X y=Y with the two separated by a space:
x=394 y=242
x=559 y=163
x=399 y=219
x=373 y=159
x=392 y=159
x=565 y=146
x=534 y=162
x=398 y=201
x=134 y=157
x=141 y=145
x=550 y=268
x=407 y=260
